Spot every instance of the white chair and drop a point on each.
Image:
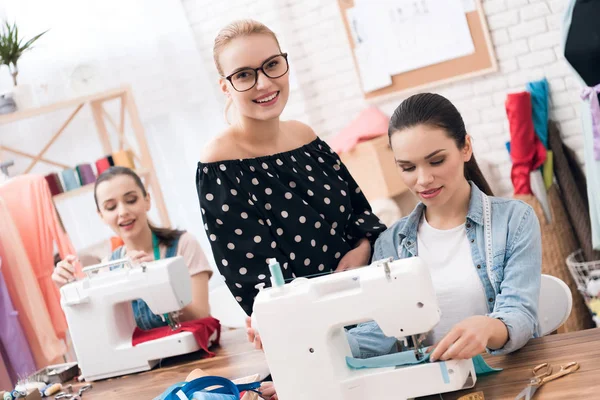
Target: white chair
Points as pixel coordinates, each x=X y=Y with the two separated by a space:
x=225 y=308
x=556 y=302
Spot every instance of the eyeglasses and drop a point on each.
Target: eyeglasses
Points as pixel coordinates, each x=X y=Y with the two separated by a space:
x=245 y=79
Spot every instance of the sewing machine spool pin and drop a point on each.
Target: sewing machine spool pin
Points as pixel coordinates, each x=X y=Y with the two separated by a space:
x=386 y=267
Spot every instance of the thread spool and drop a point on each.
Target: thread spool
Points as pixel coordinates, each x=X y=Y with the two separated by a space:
x=54 y=184
x=70 y=179
x=86 y=174
x=123 y=158
x=52 y=389
x=102 y=165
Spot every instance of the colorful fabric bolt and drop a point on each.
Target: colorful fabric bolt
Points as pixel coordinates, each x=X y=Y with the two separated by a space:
x=11 y=334
x=526 y=150
x=86 y=174
x=124 y=158
x=54 y=184
x=69 y=177
x=539 y=104
x=102 y=165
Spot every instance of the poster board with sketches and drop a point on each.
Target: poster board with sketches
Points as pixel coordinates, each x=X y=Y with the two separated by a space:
x=453 y=32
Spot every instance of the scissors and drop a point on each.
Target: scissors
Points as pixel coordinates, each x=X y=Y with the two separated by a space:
x=71 y=396
x=543 y=374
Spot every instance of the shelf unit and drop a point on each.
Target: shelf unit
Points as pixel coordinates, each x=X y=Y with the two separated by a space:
x=101 y=118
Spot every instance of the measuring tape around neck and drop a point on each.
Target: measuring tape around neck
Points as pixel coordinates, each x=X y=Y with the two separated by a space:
x=487 y=223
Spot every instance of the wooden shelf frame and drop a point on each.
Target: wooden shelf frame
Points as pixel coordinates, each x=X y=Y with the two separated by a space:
x=96 y=102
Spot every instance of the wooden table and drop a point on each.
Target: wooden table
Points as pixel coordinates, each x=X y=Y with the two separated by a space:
x=236 y=358
x=583 y=347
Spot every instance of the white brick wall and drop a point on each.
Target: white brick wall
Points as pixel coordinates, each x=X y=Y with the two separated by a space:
x=526 y=35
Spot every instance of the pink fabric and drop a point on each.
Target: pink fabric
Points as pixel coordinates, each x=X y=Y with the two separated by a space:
x=30 y=203
x=369 y=124
x=526 y=150
x=25 y=293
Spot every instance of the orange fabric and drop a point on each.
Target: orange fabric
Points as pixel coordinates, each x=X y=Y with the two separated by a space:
x=369 y=124
x=30 y=203
x=115 y=243
x=25 y=292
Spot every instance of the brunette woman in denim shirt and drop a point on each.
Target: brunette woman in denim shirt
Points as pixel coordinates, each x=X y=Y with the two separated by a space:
x=484 y=307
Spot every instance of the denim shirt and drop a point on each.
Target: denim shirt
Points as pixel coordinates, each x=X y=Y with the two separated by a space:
x=511 y=285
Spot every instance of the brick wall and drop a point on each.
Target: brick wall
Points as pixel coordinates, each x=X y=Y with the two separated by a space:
x=525 y=34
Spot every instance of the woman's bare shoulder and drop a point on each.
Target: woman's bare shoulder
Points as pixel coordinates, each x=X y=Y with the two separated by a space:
x=220 y=148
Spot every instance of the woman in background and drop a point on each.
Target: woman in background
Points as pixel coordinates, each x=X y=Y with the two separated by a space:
x=123 y=204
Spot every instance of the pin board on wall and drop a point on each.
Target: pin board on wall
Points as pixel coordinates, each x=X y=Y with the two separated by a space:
x=405 y=46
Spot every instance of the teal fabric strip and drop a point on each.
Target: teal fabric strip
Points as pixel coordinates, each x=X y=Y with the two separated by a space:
x=444 y=370
x=389 y=360
x=407 y=358
x=482 y=368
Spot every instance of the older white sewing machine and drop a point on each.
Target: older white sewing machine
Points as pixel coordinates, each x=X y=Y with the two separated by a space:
x=301 y=325
x=101 y=321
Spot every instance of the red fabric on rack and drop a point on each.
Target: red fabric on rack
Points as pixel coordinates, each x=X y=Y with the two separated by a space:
x=202 y=329
x=102 y=165
x=29 y=202
x=526 y=150
x=54 y=184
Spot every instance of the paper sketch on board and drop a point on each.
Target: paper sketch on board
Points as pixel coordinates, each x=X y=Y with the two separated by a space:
x=412 y=34
x=370 y=59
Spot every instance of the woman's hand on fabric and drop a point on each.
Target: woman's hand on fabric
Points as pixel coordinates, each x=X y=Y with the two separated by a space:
x=469 y=338
x=356 y=258
x=267 y=391
x=253 y=336
x=64 y=271
x=139 y=257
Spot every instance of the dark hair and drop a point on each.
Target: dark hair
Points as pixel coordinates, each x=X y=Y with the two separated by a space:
x=435 y=110
x=165 y=236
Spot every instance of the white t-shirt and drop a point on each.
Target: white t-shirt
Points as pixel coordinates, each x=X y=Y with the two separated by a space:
x=457 y=285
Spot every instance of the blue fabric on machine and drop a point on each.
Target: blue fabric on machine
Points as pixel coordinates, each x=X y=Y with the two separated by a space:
x=388 y=360
x=407 y=358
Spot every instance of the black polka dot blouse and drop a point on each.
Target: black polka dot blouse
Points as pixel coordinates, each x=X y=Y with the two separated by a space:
x=301 y=207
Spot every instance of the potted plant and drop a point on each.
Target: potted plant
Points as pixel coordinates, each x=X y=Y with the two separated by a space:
x=12 y=48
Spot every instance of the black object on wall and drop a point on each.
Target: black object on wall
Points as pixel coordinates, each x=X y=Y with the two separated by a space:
x=582 y=49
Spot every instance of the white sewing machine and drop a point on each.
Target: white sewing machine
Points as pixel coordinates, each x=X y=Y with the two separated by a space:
x=301 y=325
x=101 y=322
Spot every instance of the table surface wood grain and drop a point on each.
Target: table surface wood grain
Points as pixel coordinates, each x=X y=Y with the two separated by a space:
x=236 y=358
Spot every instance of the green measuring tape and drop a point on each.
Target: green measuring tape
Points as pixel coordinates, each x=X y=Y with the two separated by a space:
x=156 y=249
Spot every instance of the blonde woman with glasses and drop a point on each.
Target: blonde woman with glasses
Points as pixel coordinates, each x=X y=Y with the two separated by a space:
x=270 y=188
